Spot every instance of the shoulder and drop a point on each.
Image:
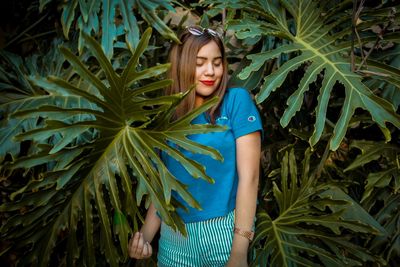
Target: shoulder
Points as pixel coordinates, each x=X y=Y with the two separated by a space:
x=236 y=99
x=237 y=95
x=237 y=91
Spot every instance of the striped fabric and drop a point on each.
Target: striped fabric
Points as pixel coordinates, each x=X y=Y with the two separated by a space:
x=208 y=243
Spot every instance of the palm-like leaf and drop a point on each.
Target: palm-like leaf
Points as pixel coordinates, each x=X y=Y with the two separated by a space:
x=381 y=190
x=90 y=20
x=11 y=102
x=118 y=161
x=17 y=93
x=312 y=222
x=388 y=217
x=371 y=151
x=313 y=44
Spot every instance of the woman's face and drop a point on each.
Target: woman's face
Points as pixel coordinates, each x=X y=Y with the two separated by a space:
x=209 y=70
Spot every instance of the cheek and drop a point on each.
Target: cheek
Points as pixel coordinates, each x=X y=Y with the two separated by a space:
x=219 y=72
x=198 y=73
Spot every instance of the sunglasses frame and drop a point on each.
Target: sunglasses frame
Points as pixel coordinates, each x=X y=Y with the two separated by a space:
x=197 y=32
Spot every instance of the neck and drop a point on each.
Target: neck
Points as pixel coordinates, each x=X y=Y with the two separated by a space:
x=198 y=101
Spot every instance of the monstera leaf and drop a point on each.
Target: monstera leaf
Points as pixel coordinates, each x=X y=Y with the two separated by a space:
x=388 y=154
x=105 y=17
x=101 y=157
x=312 y=223
x=311 y=43
x=18 y=93
x=381 y=190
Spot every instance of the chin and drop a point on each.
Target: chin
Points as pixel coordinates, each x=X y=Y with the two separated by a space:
x=205 y=92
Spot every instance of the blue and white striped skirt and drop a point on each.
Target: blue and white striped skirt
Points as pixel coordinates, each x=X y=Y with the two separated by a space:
x=208 y=243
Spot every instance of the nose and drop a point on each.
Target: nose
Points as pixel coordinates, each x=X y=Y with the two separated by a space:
x=210 y=70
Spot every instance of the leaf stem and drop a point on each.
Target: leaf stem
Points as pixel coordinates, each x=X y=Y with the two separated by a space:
x=25 y=31
x=321 y=164
x=29 y=37
x=380 y=34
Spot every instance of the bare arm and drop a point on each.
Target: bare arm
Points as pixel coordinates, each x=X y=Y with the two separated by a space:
x=151 y=224
x=248 y=150
x=139 y=244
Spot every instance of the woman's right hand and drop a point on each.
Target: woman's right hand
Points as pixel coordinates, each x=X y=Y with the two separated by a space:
x=138 y=248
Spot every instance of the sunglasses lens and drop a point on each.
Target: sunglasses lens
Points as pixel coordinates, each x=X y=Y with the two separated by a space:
x=213 y=33
x=198 y=32
x=195 y=31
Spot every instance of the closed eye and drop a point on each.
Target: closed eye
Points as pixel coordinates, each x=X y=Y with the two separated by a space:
x=201 y=60
x=217 y=62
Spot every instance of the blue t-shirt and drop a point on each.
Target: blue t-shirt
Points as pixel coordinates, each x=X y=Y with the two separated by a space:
x=239 y=113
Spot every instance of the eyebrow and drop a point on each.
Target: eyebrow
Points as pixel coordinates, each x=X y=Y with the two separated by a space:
x=207 y=58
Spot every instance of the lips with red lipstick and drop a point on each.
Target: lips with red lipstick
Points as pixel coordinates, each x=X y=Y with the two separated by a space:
x=208 y=82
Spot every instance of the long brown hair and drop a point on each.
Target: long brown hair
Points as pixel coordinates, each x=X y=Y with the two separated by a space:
x=183 y=68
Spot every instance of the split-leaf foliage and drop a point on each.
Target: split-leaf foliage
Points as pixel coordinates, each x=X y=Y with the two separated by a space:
x=113 y=19
x=314 y=44
x=306 y=56
x=80 y=141
x=98 y=147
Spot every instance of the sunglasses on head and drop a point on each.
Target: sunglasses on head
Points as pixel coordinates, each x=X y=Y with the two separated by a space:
x=200 y=31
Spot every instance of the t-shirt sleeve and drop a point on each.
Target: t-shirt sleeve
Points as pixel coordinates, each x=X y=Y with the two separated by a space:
x=245 y=117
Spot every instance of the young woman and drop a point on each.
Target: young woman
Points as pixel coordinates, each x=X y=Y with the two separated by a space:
x=219 y=234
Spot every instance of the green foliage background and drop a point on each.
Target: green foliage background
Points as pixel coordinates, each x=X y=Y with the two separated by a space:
x=83 y=119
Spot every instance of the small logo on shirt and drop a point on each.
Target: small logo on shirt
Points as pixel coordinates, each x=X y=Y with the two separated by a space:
x=251 y=118
x=222 y=118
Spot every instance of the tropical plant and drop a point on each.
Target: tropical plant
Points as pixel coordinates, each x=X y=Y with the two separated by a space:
x=309 y=46
x=18 y=93
x=97 y=152
x=113 y=19
x=312 y=42
x=79 y=140
x=381 y=197
x=315 y=221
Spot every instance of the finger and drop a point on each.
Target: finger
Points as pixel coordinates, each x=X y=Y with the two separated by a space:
x=145 y=250
x=136 y=239
x=134 y=244
x=150 y=249
x=140 y=243
x=131 y=241
x=130 y=246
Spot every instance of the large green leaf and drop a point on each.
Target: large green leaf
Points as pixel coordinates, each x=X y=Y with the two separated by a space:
x=313 y=222
x=313 y=44
x=372 y=151
x=97 y=183
x=389 y=217
x=116 y=17
x=387 y=179
x=18 y=93
x=381 y=195
x=255 y=77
